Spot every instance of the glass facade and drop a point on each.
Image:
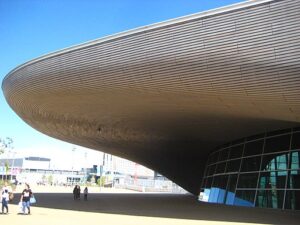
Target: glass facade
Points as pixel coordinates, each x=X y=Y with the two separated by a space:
x=257 y=171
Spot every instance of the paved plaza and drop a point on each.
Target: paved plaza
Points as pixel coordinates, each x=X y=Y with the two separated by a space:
x=139 y=208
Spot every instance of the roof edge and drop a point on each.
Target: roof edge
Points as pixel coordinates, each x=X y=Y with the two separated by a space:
x=137 y=30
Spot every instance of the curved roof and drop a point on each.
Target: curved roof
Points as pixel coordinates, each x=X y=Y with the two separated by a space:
x=166 y=95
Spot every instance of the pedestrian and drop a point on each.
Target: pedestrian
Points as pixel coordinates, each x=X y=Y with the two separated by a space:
x=9 y=191
x=78 y=192
x=85 y=192
x=75 y=192
x=25 y=199
x=5 y=199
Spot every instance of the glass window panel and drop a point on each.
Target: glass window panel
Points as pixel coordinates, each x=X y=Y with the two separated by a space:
x=251 y=164
x=236 y=152
x=294 y=179
x=271 y=180
x=253 y=148
x=221 y=167
x=232 y=182
x=275 y=162
x=248 y=180
x=277 y=144
x=278 y=132
x=211 y=169
x=224 y=154
x=296 y=141
x=213 y=158
x=220 y=182
x=270 y=199
x=208 y=182
x=295 y=160
x=229 y=197
x=292 y=200
x=244 y=198
x=233 y=165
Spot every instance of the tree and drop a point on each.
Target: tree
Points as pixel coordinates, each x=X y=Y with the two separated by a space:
x=50 y=179
x=6 y=144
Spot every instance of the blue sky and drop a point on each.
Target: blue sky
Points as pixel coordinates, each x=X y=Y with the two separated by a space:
x=31 y=28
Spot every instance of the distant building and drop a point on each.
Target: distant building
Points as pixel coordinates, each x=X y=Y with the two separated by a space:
x=38 y=170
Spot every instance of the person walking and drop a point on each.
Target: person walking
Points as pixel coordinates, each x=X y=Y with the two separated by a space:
x=5 y=199
x=85 y=192
x=25 y=198
x=78 y=192
x=75 y=192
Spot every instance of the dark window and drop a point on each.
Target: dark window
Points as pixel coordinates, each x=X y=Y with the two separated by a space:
x=255 y=137
x=278 y=132
x=208 y=182
x=221 y=167
x=233 y=165
x=220 y=182
x=271 y=180
x=236 y=152
x=211 y=169
x=244 y=198
x=253 y=148
x=223 y=154
x=277 y=144
x=251 y=164
x=275 y=162
x=270 y=199
x=292 y=200
x=296 y=141
x=213 y=158
x=294 y=179
x=248 y=180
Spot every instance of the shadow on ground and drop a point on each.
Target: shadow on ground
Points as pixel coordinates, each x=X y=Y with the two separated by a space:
x=166 y=206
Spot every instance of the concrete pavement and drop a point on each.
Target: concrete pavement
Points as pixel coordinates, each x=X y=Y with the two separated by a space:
x=118 y=208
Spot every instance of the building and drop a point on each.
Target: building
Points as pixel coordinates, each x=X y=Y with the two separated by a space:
x=38 y=170
x=170 y=95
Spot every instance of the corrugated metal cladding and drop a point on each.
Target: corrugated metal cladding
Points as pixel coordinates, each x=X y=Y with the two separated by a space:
x=167 y=96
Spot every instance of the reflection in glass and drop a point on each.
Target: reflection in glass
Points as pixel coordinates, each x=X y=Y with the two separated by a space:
x=275 y=162
x=271 y=180
x=256 y=173
x=245 y=198
x=218 y=189
x=229 y=198
x=270 y=199
x=295 y=160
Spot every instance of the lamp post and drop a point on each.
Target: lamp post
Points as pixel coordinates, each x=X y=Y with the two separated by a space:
x=73 y=151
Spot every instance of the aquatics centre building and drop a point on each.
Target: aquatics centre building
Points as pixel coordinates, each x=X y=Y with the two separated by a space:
x=210 y=100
